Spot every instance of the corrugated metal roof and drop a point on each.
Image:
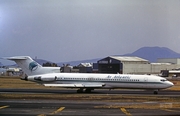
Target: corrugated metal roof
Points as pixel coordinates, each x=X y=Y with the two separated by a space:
x=85 y=65
x=128 y=58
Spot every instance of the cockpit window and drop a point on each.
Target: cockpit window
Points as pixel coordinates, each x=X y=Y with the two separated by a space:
x=163 y=80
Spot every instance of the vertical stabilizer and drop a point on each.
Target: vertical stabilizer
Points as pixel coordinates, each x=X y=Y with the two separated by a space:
x=28 y=65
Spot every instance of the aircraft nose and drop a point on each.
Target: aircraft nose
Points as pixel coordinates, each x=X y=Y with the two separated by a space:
x=170 y=84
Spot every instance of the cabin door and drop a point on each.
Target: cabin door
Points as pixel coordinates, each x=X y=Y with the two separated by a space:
x=145 y=82
x=145 y=79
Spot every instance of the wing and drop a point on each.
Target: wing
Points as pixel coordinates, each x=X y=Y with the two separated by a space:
x=77 y=85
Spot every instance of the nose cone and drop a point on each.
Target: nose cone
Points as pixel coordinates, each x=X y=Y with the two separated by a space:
x=169 y=84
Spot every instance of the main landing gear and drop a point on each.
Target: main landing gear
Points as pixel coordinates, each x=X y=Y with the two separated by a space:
x=80 y=90
x=87 y=90
x=155 y=92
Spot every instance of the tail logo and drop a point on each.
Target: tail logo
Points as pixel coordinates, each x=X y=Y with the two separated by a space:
x=33 y=66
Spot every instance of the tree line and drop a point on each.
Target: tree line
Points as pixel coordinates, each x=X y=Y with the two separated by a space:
x=48 y=64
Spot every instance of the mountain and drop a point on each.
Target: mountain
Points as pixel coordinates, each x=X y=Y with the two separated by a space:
x=41 y=61
x=153 y=53
x=75 y=63
x=148 y=53
x=1 y=64
x=72 y=63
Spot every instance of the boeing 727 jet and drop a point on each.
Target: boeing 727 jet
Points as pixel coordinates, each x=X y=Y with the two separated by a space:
x=85 y=82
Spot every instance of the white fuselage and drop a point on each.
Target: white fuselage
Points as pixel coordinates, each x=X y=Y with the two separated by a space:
x=111 y=81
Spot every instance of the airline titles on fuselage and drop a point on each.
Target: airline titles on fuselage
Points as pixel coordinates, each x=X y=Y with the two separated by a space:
x=119 y=77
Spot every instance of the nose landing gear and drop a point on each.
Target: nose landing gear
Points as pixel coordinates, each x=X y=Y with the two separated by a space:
x=155 y=92
x=87 y=90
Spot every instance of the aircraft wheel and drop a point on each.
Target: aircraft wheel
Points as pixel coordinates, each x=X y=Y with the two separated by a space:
x=80 y=91
x=88 y=90
x=155 y=92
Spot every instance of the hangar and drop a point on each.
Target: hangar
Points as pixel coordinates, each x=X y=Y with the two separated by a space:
x=134 y=65
x=118 y=64
x=169 y=60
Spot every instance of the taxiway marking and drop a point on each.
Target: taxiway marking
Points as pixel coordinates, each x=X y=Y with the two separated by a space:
x=41 y=115
x=55 y=112
x=125 y=112
x=58 y=110
x=2 y=107
x=170 y=110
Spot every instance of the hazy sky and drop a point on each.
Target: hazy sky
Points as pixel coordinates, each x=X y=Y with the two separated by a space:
x=68 y=30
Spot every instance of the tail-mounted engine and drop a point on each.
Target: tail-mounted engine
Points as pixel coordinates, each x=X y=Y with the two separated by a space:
x=45 y=78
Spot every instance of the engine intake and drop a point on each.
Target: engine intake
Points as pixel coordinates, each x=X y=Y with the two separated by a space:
x=37 y=78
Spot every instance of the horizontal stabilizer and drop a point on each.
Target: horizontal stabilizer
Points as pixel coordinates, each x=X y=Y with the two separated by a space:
x=16 y=58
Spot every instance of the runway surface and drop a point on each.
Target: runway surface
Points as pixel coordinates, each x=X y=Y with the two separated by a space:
x=98 y=91
x=44 y=107
x=56 y=107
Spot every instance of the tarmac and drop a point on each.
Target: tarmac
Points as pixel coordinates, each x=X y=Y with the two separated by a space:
x=96 y=91
x=56 y=107
x=43 y=107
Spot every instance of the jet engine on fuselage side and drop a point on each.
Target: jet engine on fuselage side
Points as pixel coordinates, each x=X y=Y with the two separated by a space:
x=45 y=78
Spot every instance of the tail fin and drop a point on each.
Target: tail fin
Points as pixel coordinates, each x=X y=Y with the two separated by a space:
x=28 y=65
x=31 y=67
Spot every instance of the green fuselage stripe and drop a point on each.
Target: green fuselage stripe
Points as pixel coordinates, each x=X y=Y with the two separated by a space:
x=86 y=81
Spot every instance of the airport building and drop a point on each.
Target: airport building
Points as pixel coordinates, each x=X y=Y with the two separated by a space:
x=133 y=65
x=169 y=60
x=10 y=71
x=126 y=65
x=85 y=67
x=119 y=64
x=174 y=72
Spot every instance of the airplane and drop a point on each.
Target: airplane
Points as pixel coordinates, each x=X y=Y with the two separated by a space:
x=86 y=82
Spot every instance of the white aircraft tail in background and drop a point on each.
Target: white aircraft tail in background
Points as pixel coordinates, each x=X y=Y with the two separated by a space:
x=48 y=76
